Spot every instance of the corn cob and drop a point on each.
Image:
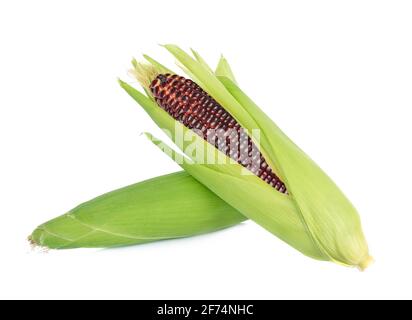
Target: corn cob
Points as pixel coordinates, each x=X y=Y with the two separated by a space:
x=313 y=216
x=148 y=211
x=186 y=102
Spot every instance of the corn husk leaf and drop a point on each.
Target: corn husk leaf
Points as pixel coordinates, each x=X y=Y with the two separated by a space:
x=223 y=69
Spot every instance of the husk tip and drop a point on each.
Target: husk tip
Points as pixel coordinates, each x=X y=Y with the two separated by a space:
x=32 y=242
x=364 y=264
x=34 y=245
x=35 y=241
x=121 y=82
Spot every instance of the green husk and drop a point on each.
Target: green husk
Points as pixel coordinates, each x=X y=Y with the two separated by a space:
x=166 y=207
x=316 y=218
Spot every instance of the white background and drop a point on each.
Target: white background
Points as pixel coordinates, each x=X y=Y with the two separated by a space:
x=335 y=75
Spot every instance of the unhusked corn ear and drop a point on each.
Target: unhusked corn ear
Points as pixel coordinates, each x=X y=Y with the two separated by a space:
x=314 y=217
x=166 y=207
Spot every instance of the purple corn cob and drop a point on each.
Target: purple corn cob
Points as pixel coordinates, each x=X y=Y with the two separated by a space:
x=189 y=104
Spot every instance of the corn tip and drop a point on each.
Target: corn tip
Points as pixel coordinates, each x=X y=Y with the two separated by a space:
x=367 y=262
x=32 y=242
